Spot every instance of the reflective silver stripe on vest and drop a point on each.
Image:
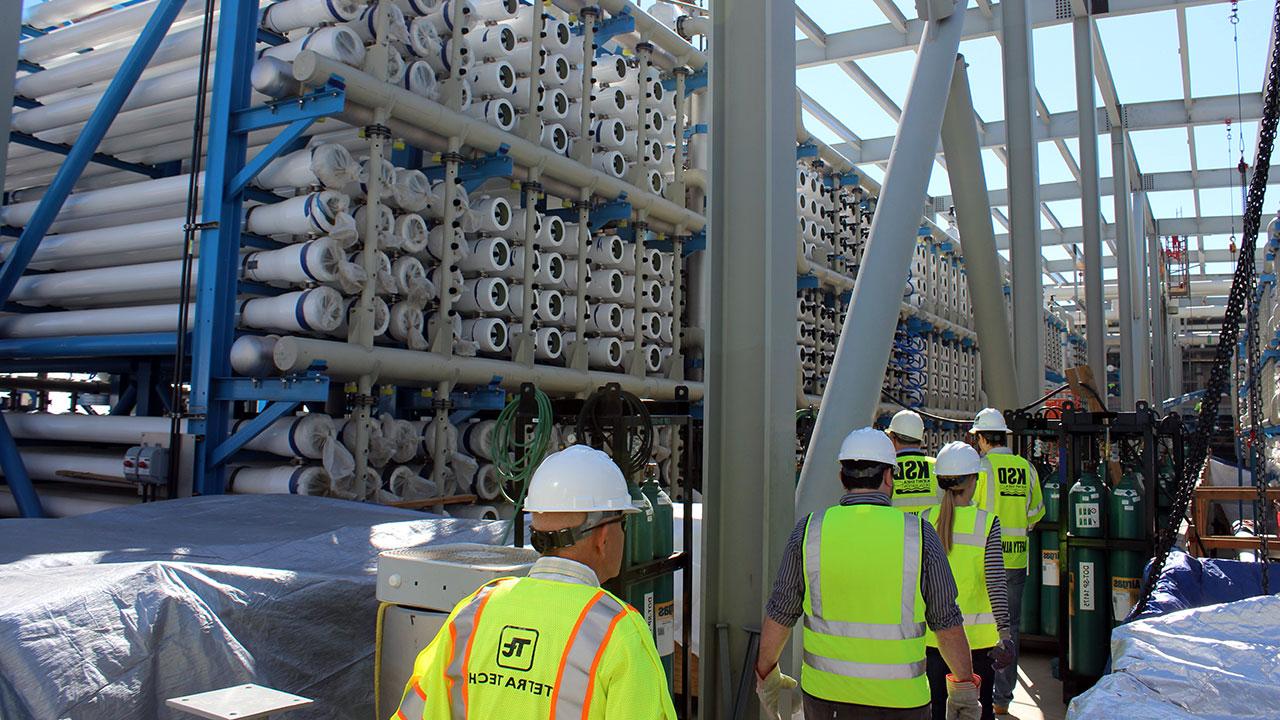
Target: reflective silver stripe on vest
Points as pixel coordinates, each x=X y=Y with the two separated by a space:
x=979 y=619
x=464 y=626
x=1012 y=531
x=813 y=561
x=977 y=538
x=1036 y=510
x=575 y=672
x=910 y=572
x=414 y=703
x=870 y=671
x=864 y=631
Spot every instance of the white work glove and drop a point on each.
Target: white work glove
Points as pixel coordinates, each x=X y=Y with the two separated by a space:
x=962 y=698
x=767 y=689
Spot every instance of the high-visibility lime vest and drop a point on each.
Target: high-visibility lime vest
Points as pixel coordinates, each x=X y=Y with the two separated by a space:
x=967 y=559
x=536 y=648
x=863 y=609
x=915 y=487
x=1015 y=497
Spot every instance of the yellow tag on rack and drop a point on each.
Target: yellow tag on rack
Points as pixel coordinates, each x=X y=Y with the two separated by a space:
x=350 y=388
x=398 y=144
x=388 y=390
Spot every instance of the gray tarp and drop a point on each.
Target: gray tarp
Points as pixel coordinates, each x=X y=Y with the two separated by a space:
x=104 y=616
x=1219 y=662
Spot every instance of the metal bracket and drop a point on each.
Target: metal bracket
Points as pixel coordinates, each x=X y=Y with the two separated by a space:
x=693 y=82
x=474 y=173
x=330 y=100
x=621 y=23
x=307 y=387
x=250 y=430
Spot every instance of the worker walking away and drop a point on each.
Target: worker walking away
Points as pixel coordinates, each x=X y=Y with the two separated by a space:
x=553 y=644
x=914 y=485
x=868 y=579
x=1009 y=487
x=971 y=538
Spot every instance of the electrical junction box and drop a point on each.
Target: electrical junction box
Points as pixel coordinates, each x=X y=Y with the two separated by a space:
x=440 y=576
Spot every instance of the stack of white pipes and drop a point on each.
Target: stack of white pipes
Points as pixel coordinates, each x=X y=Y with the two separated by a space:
x=111 y=263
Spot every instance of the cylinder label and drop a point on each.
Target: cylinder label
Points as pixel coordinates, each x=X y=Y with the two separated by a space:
x=1049 y=568
x=1088 y=584
x=1124 y=595
x=666 y=629
x=649 y=616
x=1088 y=515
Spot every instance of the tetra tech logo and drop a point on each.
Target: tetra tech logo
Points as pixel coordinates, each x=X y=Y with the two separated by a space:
x=516 y=648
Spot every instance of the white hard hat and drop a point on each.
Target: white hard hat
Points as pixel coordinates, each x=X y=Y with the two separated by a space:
x=957 y=459
x=907 y=424
x=578 y=479
x=868 y=444
x=989 y=420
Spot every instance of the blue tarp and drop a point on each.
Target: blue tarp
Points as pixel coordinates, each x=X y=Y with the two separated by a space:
x=1189 y=582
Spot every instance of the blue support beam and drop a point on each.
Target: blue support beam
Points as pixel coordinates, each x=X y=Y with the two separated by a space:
x=87 y=144
x=15 y=474
x=128 y=345
x=327 y=101
x=213 y=331
x=250 y=430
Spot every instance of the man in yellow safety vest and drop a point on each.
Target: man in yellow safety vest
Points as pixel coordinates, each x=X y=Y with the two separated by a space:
x=1008 y=486
x=915 y=488
x=553 y=644
x=868 y=579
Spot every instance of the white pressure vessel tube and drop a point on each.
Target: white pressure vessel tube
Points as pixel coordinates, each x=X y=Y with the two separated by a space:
x=610 y=162
x=488 y=255
x=325 y=164
x=279 y=480
x=482 y=294
x=318 y=309
x=489 y=215
x=316 y=213
x=411 y=228
x=336 y=42
x=303 y=435
x=494 y=79
x=114 y=429
x=289 y=15
x=554 y=137
x=489 y=334
x=314 y=261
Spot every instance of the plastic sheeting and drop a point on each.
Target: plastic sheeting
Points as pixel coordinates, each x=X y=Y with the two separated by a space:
x=1190 y=582
x=105 y=616
x=1209 y=663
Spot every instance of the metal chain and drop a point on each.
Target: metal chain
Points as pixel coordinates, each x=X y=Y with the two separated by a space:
x=1241 y=291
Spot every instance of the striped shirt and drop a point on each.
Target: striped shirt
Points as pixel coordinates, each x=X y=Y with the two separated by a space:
x=997 y=583
x=786 y=603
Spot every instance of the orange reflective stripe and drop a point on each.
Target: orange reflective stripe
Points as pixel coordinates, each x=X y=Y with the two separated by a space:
x=414 y=703
x=591 y=682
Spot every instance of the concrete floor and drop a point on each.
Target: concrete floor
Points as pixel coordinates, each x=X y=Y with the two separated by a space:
x=1038 y=695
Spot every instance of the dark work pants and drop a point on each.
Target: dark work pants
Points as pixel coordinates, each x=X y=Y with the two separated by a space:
x=819 y=709
x=937 y=670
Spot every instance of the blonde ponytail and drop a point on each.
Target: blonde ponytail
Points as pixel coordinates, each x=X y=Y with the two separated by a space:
x=947 y=518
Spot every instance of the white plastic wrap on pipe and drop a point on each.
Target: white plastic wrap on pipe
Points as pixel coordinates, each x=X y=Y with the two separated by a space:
x=103 y=65
x=385 y=225
x=427 y=430
x=410 y=189
x=98 y=31
x=279 y=480
x=158 y=279
x=408 y=324
x=316 y=310
x=364 y=25
x=324 y=164
x=315 y=261
x=319 y=213
x=56 y=12
x=304 y=435
x=156 y=240
x=381 y=318
x=411 y=229
x=419 y=112
x=405 y=481
x=100 y=321
x=171 y=191
x=289 y=15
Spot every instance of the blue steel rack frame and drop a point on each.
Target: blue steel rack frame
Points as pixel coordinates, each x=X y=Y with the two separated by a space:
x=228 y=172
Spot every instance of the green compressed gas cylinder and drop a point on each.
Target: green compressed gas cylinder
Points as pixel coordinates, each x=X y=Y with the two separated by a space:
x=638 y=548
x=661 y=600
x=1049 y=571
x=1029 y=621
x=1125 y=516
x=1089 y=609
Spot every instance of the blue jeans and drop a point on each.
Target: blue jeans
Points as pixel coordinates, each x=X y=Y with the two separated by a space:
x=1006 y=680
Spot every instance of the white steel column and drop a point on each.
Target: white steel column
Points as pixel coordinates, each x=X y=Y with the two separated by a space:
x=1142 y=301
x=1124 y=266
x=1090 y=203
x=981 y=263
x=1159 y=347
x=750 y=346
x=1024 y=202
x=853 y=389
